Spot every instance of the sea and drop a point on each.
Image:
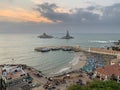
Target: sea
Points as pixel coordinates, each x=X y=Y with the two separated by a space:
x=19 y=49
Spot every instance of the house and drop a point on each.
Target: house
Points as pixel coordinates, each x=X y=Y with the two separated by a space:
x=108 y=72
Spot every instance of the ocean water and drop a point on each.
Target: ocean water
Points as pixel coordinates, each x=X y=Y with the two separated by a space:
x=21 y=48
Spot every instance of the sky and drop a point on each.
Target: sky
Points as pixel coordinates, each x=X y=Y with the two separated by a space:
x=37 y=16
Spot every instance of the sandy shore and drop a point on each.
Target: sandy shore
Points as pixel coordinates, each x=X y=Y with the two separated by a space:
x=69 y=74
x=79 y=61
x=60 y=81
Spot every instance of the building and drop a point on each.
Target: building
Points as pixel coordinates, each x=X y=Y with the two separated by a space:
x=12 y=76
x=115 y=61
x=108 y=72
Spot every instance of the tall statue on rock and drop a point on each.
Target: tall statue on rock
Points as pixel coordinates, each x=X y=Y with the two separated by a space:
x=67 y=36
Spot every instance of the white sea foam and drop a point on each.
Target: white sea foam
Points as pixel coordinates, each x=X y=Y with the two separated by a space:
x=63 y=69
x=99 y=41
x=111 y=41
x=102 y=41
x=75 y=60
x=73 y=63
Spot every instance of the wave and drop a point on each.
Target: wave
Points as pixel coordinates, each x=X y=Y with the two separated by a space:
x=112 y=41
x=71 y=63
x=63 y=69
x=75 y=60
x=102 y=41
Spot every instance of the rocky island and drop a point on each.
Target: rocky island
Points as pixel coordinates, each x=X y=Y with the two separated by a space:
x=45 y=36
x=67 y=36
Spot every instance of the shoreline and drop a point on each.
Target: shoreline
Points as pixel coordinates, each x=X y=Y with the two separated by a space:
x=76 y=64
x=79 y=61
x=42 y=80
x=63 y=80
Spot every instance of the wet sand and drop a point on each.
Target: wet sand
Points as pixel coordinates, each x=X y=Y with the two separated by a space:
x=79 y=61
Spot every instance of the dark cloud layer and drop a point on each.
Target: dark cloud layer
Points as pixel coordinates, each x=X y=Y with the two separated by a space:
x=111 y=14
x=79 y=16
x=47 y=10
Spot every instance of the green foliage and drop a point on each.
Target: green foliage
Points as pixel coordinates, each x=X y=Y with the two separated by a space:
x=115 y=48
x=78 y=87
x=97 y=85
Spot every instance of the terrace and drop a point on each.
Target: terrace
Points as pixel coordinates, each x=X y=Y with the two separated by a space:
x=12 y=75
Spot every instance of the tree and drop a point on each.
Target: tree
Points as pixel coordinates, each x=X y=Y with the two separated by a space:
x=97 y=85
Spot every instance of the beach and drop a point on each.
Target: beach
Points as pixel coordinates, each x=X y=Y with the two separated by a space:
x=78 y=61
x=67 y=76
x=60 y=82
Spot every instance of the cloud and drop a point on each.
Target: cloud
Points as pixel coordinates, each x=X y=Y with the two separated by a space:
x=112 y=14
x=95 y=19
x=52 y=13
x=48 y=10
x=21 y=15
x=75 y=20
x=36 y=1
x=73 y=16
x=92 y=14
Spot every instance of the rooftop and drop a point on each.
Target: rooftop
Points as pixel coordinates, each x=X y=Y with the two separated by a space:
x=11 y=72
x=109 y=70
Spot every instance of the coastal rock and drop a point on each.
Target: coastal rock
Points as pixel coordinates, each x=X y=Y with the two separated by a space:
x=117 y=43
x=67 y=36
x=45 y=36
x=115 y=47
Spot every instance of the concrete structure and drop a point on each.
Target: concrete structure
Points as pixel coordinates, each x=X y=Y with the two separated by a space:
x=65 y=48
x=78 y=48
x=103 y=51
